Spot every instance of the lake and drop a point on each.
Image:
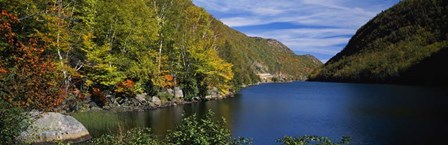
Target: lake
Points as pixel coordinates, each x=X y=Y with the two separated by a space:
x=370 y=114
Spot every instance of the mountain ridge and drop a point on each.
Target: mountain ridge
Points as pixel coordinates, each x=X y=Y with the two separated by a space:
x=262 y=55
x=391 y=46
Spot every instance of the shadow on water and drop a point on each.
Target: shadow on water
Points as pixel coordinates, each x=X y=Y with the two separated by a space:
x=160 y=120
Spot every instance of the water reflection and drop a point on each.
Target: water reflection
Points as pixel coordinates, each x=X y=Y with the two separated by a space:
x=160 y=120
x=370 y=114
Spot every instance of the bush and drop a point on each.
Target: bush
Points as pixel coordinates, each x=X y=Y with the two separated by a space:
x=203 y=132
x=191 y=131
x=12 y=121
x=311 y=140
x=137 y=136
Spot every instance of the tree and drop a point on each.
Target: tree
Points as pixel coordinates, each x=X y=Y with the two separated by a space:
x=200 y=57
x=30 y=81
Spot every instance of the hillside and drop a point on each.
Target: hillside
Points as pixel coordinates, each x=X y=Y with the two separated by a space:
x=254 y=55
x=404 y=44
x=54 y=53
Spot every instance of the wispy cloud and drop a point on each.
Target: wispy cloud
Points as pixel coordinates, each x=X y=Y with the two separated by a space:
x=242 y=21
x=321 y=27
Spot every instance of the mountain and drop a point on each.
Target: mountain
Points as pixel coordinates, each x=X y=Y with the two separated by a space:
x=404 y=44
x=255 y=56
x=101 y=50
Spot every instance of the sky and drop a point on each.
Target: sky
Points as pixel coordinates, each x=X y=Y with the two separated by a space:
x=318 y=27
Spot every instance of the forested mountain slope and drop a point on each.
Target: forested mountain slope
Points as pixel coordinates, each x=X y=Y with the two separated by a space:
x=404 y=44
x=254 y=55
x=54 y=51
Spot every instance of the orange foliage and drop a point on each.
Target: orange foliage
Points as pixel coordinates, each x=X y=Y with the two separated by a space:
x=35 y=83
x=169 y=77
x=168 y=81
x=125 y=87
x=6 y=27
x=99 y=97
x=2 y=70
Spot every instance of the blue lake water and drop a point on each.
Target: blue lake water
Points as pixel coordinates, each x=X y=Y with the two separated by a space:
x=370 y=114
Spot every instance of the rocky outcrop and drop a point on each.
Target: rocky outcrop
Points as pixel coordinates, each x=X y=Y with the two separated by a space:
x=156 y=101
x=213 y=94
x=177 y=92
x=51 y=127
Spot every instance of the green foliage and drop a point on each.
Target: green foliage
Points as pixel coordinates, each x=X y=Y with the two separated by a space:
x=92 y=46
x=392 y=44
x=252 y=55
x=13 y=120
x=200 y=132
x=137 y=136
x=191 y=131
x=310 y=140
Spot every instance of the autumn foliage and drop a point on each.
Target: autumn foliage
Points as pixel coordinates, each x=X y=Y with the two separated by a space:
x=168 y=81
x=98 y=96
x=32 y=79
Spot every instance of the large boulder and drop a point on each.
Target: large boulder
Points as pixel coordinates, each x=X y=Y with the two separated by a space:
x=50 y=127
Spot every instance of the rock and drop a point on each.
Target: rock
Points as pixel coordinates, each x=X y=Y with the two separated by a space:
x=213 y=93
x=135 y=102
x=178 y=93
x=120 y=101
x=196 y=98
x=156 y=101
x=141 y=98
x=93 y=105
x=170 y=91
x=50 y=127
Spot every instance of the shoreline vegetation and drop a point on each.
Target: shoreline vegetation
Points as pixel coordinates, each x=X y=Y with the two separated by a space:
x=131 y=55
x=135 y=55
x=71 y=55
x=196 y=131
x=159 y=104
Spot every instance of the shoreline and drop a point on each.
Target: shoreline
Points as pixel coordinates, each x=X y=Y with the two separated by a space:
x=175 y=102
x=149 y=107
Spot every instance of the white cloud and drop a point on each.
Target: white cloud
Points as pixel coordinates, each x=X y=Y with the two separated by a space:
x=241 y=21
x=312 y=40
x=311 y=12
x=308 y=32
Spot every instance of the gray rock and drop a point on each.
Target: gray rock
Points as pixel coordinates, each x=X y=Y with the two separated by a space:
x=178 y=92
x=213 y=93
x=170 y=91
x=135 y=102
x=156 y=101
x=93 y=105
x=120 y=101
x=141 y=98
x=50 y=127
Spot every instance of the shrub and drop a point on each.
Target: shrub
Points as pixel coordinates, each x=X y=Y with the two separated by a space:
x=190 y=132
x=311 y=140
x=12 y=121
x=203 y=132
x=137 y=136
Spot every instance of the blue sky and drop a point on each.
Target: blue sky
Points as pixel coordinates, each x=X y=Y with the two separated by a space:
x=318 y=27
